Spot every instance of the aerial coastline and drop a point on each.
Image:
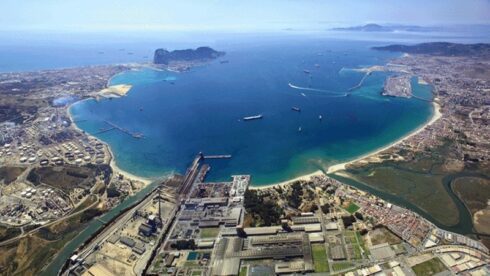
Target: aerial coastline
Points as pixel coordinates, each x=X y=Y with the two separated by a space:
x=372 y=156
x=125 y=89
x=364 y=158
x=120 y=178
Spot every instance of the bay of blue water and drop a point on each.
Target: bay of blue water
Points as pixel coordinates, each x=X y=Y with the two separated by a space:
x=182 y=114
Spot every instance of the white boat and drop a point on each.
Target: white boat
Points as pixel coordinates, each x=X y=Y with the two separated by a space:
x=255 y=117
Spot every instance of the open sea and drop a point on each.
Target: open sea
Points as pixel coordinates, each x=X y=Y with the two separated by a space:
x=182 y=114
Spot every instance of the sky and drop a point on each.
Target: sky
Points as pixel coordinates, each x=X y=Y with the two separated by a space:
x=232 y=15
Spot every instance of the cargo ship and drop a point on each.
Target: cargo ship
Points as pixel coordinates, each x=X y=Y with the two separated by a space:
x=255 y=117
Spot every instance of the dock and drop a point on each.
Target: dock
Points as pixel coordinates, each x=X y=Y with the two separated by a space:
x=136 y=135
x=105 y=130
x=190 y=176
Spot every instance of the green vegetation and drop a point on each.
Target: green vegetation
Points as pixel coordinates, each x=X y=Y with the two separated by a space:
x=91 y=199
x=112 y=191
x=8 y=232
x=89 y=214
x=191 y=264
x=362 y=244
x=158 y=263
x=243 y=271
x=28 y=255
x=425 y=190
x=207 y=233
x=474 y=191
x=351 y=237
x=294 y=197
x=341 y=266
x=67 y=178
x=320 y=258
x=264 y=212
x=430 y=267
x=184 y=244
x=352 y=208
x=419 y=178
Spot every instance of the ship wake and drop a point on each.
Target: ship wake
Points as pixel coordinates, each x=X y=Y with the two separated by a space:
x=331 y=93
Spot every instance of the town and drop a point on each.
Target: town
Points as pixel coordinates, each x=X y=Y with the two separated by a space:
x=323 y=226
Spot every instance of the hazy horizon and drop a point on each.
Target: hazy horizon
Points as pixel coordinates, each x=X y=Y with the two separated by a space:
x=235 y=16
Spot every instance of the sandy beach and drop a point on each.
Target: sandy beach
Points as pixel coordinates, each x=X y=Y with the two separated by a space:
x=126 y=174
x=436 y=116
x=305 y=177
x=119 y=90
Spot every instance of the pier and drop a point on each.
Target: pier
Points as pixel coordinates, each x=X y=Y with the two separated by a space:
x=361 y=82
x=104 y=130
x=136 y=135
x=190 y=176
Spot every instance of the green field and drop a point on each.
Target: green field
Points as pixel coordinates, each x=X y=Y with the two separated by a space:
x=352 y=208
x=342 y=266
x=208 y=233
x=320 y=258
x=361 y=243
x=352 y=237
x=243 y=271
x=430 y=267
x=425 y=190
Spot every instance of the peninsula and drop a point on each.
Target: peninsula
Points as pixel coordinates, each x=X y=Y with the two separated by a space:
x=371 y=27
x=441 y=49
x=182 y=60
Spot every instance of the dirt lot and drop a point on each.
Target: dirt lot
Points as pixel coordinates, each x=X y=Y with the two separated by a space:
x=382 y=235
x=9 y=174
x=64 y=178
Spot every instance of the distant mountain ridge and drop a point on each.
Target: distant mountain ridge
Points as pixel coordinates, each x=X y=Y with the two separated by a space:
x=163 y=56
x=389 y=28
x=440 y=49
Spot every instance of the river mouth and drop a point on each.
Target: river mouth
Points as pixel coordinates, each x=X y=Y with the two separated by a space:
x=181 y=114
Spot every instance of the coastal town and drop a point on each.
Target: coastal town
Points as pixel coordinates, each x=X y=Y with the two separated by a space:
x=452 y=145
x=57 y=180
x=322 y=226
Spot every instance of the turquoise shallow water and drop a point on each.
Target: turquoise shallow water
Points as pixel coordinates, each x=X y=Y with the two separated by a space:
x=181 y=114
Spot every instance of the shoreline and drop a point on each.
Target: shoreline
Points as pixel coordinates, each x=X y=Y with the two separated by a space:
x=333 y=169
x=305 y=177
x=435 y=116
x=112 y=162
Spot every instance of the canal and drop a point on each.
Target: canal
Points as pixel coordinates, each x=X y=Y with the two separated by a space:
x=95 y=225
